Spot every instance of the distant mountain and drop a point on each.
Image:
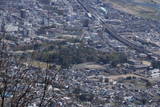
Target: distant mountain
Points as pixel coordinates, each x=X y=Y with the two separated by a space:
x=144 y=8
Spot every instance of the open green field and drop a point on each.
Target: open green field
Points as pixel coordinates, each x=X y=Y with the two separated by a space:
x=143 y=8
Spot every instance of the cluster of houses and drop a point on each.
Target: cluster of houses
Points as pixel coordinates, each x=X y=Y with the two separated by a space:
x=26 y=22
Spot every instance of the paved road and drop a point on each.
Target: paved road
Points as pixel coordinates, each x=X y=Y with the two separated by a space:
x=110 y=30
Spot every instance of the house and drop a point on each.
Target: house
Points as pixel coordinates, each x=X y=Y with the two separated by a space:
x=155 y=73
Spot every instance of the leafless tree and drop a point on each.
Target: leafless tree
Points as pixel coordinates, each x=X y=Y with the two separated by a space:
x=22 y=85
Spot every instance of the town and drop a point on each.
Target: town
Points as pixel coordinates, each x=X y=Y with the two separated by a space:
x=77 y=53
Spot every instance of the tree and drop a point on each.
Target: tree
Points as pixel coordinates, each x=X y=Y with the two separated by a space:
x=156 y=64
x=22 y=85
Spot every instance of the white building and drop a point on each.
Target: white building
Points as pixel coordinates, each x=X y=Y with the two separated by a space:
x=155 y=73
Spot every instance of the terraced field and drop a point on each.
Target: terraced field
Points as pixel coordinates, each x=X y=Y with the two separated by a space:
x=144 y=8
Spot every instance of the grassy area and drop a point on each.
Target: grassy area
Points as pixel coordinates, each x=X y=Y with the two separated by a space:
x=144 y=8
x=42 y=65
x=116 y=77
x=89 y=66
x=138 y=81
x=39 y=64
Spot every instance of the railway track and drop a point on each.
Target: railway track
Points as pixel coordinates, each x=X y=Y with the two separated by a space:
x=110 y=30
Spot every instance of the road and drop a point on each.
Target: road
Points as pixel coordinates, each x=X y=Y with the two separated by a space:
x=110 y=30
